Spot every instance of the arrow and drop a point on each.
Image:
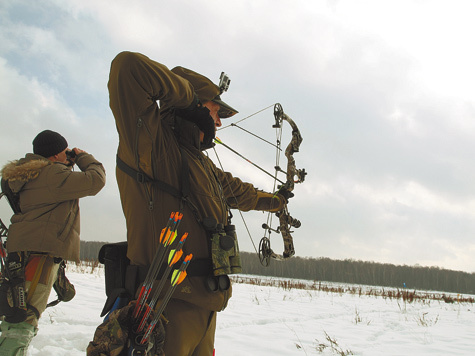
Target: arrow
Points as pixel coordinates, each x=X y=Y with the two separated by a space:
x=167 y=236
x=177 y=277
x=173 y=257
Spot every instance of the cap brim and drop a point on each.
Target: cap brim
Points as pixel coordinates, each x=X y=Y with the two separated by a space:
x=225 y=110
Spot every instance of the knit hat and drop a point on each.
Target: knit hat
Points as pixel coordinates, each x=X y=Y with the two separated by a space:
x=49 y=143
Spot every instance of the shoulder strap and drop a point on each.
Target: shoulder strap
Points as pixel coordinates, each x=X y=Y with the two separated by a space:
x=141 y=177
x=182 y=195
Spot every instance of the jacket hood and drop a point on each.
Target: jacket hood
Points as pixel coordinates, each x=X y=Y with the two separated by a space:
x=22 y=171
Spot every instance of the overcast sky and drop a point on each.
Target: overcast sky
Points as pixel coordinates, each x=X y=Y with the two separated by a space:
x=382 y=91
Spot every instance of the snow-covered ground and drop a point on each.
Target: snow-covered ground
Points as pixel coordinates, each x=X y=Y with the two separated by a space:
x=269 y=321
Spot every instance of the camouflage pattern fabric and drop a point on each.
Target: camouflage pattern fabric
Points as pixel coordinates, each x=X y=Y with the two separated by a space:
x=63 y=287
x=112 y=337
x=225 y=256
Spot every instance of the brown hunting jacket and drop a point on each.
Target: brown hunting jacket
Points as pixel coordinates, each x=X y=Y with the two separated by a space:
x=49 y=202
x=152 y=140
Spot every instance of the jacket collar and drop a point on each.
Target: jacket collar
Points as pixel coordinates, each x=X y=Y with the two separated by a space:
x=187 y=133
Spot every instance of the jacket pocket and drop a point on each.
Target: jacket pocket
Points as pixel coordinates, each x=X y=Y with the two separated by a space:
x=69 y=224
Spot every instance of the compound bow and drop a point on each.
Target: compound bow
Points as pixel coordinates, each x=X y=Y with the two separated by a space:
x=293 y=176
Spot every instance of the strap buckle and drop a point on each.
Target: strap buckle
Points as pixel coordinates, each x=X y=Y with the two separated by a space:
x=140 y=177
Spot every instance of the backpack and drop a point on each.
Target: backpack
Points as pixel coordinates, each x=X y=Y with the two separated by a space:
x=12 y=198
x=14 y=201
x=12 y=292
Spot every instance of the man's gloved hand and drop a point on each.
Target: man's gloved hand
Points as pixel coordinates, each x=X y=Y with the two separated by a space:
x=199 y=115
x=285 y=193
x=270 y=202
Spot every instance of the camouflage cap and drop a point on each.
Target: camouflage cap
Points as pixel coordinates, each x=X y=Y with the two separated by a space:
x=206 y=90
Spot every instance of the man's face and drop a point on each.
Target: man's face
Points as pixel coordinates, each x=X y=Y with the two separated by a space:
x=213 y=112
x=60 y=157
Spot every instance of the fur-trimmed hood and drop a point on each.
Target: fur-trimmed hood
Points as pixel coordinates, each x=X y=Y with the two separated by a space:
x=22 y=171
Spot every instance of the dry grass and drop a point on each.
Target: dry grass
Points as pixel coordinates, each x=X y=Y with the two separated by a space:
x=407 y=296
x=85 y=266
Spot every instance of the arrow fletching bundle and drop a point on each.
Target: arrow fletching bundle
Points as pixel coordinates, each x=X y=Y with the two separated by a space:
x=167 y=236
x=168 y=255
x=177 y=277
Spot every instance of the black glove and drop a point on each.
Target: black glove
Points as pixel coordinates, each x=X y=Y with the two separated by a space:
x=201 y=117
x=285 y=193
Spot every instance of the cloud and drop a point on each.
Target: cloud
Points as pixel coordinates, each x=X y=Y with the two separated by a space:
x=28 y=106
x=381 y=93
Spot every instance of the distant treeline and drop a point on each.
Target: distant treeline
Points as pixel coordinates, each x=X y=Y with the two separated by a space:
x=345 y=271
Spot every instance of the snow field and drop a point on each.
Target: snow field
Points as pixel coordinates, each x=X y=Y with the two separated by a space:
x=265 y=321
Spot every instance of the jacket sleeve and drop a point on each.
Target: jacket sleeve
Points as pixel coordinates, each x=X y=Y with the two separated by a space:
x=136 y=82
x=245 y=197
x=66 y=185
